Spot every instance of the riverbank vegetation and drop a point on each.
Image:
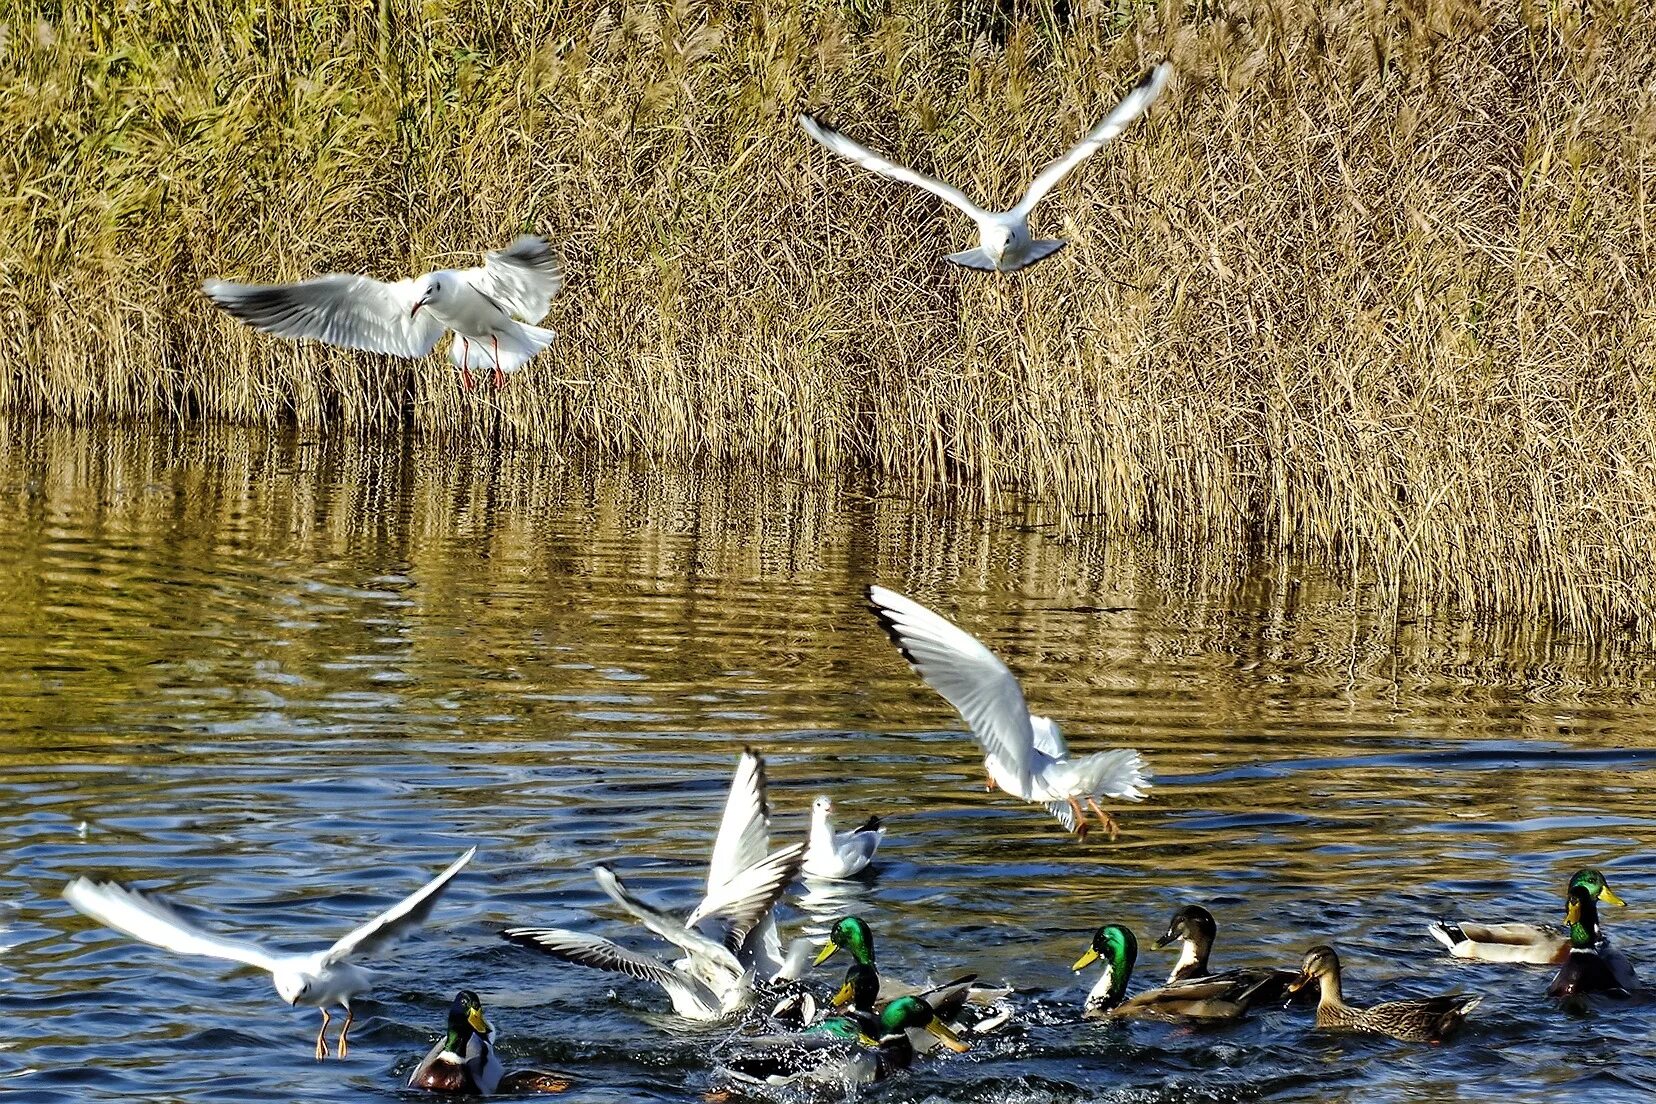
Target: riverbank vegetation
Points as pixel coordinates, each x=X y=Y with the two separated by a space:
x=1372 y=281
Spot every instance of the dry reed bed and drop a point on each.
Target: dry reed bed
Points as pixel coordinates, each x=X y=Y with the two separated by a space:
x=1373 y=282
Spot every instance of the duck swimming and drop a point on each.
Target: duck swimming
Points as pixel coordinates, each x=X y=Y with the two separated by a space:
x=1592 y=965
x=463 y=1062
x=1421 y=1020
x=1213 y=1000
x=1535 y=944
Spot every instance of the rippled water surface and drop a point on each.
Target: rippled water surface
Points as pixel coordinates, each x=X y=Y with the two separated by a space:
x=284 y=681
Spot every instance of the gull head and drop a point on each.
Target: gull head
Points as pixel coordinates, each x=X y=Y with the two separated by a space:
x=434 y=289
x=996 y=237
x=291 y=987
x=822 y=806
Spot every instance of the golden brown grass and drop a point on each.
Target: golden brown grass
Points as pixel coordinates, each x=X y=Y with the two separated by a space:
x=1374 y=281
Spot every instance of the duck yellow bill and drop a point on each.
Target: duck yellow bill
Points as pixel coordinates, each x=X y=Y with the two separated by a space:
x=949 y=1038
x=844 y=996
x=825 y=954
x=1085 y=960
x=1606 y=894
x=479 y=1024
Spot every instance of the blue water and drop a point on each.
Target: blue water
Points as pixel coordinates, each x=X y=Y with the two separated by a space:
x=284 y=681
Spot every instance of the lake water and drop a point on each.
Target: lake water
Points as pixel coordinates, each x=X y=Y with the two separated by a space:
x=286 y=680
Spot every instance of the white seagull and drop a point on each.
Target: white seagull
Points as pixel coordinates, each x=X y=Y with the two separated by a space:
x=323 y=978
x=1004 y=240
x=715 y=978
x=1022 y=752
x=491 y=309
x=839 y=855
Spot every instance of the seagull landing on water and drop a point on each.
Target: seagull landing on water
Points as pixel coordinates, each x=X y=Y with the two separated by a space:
x=1023 y=753
x=491 y=309
x=1004 y=240
x=323 y=979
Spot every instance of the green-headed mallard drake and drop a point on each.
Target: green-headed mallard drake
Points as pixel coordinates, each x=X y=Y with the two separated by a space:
x=1195 y=929
x=1535 y=944
x=952 y=1002
x=1592 y=965
x=1200 y=1000
x=464 y=1063
x=847 y=1049
x=1423 y=1020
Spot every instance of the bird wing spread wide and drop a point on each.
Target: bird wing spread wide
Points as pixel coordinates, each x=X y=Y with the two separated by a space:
x=524 y=277
x=1138 y=100
x=340 y=309
x=153 y=921
x=868 y=159
x=968 y=675
x=398 y=921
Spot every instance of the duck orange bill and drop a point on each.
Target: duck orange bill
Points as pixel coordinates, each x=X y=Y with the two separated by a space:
x=825 y=954
x=1299 y=983
x=949 y=1038
x=1085 y=960
x=1606 y=894
x=844 y=996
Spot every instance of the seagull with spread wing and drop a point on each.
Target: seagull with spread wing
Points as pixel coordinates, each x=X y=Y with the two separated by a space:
x=1023 y=753
x=1005 y=243
x=323 y=978
x=715 y=977
x=491 y=309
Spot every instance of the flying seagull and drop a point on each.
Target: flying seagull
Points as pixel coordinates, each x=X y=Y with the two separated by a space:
x=1004 y=240
x=1023 y=753
x=323 y=978
x=491 y=309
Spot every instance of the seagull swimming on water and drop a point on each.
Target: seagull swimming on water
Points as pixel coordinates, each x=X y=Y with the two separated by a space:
x=323 y=978
x=491 y=309
x=839 y=855
x=1023 y=753
x=1005 y=243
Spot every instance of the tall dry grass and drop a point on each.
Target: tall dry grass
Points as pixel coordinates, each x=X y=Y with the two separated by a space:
x=1374 y=280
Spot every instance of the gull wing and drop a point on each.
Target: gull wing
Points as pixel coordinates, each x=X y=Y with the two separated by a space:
x=743 y=837
x=153 y=921
x=601 y=954
x=747 y=899
x=711 y=956
x=1144 y=94
x=340 y=309
x=396 y=922
x=868 y=159
x=969 y=676
x=524 y=277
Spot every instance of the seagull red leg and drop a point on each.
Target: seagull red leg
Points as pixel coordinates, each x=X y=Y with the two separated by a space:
x=499 y=376
x=466 y=383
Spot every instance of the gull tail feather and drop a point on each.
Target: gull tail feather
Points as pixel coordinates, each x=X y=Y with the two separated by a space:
x=518 y=346
x=1121 y=773
x=973 y=258
x=1039 y=250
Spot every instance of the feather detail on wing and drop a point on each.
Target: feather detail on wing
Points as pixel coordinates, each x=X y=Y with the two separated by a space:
x=747 y=899
x=601 y=954
x=398 y=921
x=524 y=277
x=153 y=921
x=968 y=675
x=744 y=832
x=859 y=154
x=1136 y=103
x=340 y=309
x=698 y=946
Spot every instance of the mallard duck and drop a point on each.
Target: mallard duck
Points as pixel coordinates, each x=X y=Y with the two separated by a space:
x=1592 y=964
x=1024 y=754
x=838 y=855
x=1195 y=929
x=1201 y=1000
x=1424 y=1020
x=959 y=1004
x=715 y=978
x=1535 y=944
x=846 y=1049
x=464 y=1063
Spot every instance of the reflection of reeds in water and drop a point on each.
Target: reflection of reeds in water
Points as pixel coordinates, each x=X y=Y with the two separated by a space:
x=1368 y=283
